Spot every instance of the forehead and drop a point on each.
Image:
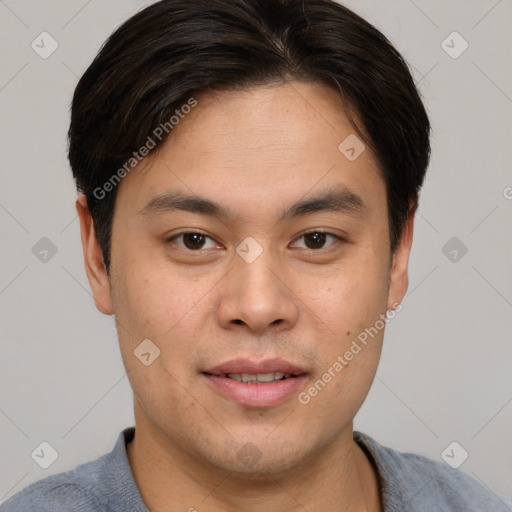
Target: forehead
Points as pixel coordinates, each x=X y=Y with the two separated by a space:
x=274 y=118
x=258 y=145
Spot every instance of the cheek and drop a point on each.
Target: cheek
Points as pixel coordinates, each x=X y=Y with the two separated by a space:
x=349 y=304
x=348 y=299
x=154 y=304
x=154 y=301
x=156 y=297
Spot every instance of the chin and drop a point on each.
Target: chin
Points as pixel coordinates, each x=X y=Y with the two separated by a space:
x=263 y=461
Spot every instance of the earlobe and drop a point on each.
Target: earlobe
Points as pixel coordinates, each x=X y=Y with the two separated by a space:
x=399 y=277
x=93 y=259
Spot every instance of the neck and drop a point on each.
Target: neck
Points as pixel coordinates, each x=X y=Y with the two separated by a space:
x=339 y=478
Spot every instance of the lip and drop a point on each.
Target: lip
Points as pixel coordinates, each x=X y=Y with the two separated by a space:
x=256 y=394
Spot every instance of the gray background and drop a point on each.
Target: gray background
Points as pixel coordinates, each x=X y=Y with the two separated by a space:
x=445 y=372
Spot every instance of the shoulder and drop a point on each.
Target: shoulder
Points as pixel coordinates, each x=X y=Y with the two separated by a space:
x=420 y=483
x=55 y=493
x=90 y=487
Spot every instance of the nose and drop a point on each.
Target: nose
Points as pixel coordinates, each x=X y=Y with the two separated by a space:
x=257 y=295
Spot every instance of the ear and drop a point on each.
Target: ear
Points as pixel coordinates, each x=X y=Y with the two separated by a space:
x=93 y=259
x=399 y=276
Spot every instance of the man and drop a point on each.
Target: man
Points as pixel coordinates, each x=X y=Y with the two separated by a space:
x=249 y=173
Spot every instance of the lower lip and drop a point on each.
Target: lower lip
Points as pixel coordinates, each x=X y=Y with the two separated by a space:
x=266 y=394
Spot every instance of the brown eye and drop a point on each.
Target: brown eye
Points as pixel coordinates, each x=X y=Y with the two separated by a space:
x=191 y=240
x=316 y=239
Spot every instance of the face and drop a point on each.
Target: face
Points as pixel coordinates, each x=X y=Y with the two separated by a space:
x=284 y=272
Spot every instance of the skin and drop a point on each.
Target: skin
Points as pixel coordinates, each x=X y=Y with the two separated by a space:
x=256 y=151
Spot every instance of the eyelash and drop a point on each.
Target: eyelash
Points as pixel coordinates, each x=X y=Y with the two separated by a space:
x=177 y=235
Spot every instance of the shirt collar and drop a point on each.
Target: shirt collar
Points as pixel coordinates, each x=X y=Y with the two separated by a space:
x=394 y=496
x=117 y=486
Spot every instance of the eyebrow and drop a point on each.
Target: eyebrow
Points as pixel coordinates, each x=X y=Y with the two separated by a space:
x=337 y=200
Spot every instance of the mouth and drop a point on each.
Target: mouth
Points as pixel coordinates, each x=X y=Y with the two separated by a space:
x=256 y=378
x=256 y=384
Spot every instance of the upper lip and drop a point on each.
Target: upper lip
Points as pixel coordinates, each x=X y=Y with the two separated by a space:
x=256 y=367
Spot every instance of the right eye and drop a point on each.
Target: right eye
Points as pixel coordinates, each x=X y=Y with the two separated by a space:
x=191 y=240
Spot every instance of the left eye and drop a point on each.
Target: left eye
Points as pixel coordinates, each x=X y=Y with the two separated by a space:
x=316 y=239
x=193 y=241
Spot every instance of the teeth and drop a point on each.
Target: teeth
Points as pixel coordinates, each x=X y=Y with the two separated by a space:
x=259 y=377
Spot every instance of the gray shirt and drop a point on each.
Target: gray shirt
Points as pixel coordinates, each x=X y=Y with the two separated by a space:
x=408 y=482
